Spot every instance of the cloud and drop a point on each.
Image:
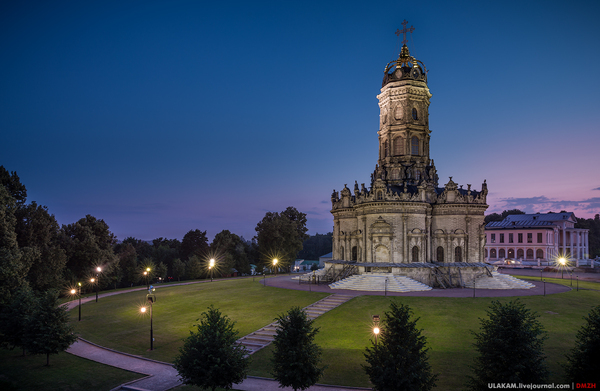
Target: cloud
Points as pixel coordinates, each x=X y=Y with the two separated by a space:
x=544 y=204
x=598 y=188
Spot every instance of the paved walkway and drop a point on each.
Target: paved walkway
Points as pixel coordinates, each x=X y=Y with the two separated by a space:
x=161 y=376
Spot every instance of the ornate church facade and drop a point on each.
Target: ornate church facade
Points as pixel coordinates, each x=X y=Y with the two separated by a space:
x=404 y=216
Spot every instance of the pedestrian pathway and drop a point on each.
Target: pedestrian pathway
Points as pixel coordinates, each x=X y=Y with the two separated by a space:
x=263 y=337
x=161 y=376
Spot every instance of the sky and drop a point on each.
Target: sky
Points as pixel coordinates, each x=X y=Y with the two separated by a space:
x=161 y=117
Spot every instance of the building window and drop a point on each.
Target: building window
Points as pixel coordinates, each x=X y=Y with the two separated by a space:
x=529 y=237
x=440 y=254
x=539 y=235
x=414 y=145
x=511 y=253
x=415 y=254
x=493 y=253
x=380 y=195
x=529 y=254
x=511 y=238
x=415 y=115
x=520 y=253
x=501 y=238
x=354 y=253
x=539 y=254
x=486 y=253
x=493 y=238
x=501 y=253
x=520 y=238
x=457 y=254
x=418 y=175
x=399 y=146
x=342 y=253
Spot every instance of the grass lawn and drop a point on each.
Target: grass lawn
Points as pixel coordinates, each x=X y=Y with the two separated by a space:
x=116 y=321
x=344 y=332
x=65 y=373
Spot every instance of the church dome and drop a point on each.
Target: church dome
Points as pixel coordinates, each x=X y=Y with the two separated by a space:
x=406 y=67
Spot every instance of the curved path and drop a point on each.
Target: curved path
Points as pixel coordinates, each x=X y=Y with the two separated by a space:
x=161 y=376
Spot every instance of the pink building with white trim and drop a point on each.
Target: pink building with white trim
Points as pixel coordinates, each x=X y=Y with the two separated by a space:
x=536 y=237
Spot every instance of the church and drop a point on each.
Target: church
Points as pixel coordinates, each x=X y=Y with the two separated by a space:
x=404 y=218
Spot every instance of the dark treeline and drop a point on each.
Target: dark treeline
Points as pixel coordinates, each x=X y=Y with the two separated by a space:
x=592 y=224
x=35 y=251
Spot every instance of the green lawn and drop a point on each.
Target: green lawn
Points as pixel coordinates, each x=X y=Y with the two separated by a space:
x=344 y=332
x=65 y=373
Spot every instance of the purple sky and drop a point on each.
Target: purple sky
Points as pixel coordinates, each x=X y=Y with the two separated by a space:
x=161 y=117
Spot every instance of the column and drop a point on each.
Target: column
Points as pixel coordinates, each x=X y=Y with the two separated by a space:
x=578 y=245
x=404 y=252
x=564 y=241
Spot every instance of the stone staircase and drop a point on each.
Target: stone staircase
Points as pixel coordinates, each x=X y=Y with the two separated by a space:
x=499 y=281
x=377 y=281
x=263 y=337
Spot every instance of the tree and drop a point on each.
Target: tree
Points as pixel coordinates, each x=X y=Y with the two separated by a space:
x=178 y=269
x=161 y=271
x=316 y=246
x=231 y=251
x=399 y=359
x=13 y=185
x=49 y=331
x=128 y=263
x=88 y=243
x=510 y=347
x=15 y=317
x=194 y=242
x=584 y=360
x=296 y=357
x=211 y=356
x=194 y=268
x=281 y=235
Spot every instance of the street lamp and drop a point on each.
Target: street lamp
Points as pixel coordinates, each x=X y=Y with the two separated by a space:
x=210 y=267
x=98 y=270
x=376 y=327
x=93 y=281
x=275 y=265
x=73 y=291
x=147 y=275
x=151 y=299
x=562 y=261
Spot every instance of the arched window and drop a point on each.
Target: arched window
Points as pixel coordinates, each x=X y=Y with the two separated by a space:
x=415 y=254
x=458 y=254
x=399 y=146
x=529 y=254
x=414 y=146
x=354 y=253
x=380 y=195
x=511 y=253
x=415 y=115
x=520 y=253
x=501 y=253
x=493 y=253
x=440 y=254
x=539 y=254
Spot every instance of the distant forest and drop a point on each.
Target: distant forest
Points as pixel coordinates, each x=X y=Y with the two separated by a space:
x=316 y=246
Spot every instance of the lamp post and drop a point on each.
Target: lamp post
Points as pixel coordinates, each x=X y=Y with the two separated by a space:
x=275 y=266
x=78 y=294
x=151 y=299
x=210 y=267
x=98 y=270
x=376 y=327
x=562 y=261
x=93 y=282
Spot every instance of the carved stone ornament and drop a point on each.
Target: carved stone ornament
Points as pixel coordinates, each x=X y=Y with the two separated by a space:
x=399 y=112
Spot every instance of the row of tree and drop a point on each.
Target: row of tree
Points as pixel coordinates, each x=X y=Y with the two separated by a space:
x=509 y=346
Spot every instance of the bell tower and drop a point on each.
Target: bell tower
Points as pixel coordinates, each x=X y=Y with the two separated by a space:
x=404 y=123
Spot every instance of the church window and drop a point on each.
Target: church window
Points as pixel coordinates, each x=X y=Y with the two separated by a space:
x=529 y=254
x=380 y=195
x=539 y=254
x=520 y=253
x=414 y=145
x=520 y=238
x=440 y=254
x=415 y=115
x=399 y=146
x=529 y=237
x=493 y=238
x=501 y=253
x=539 y=237
x=458 y=254
x=493 y=253
x=354 y=253
x=415 y=254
